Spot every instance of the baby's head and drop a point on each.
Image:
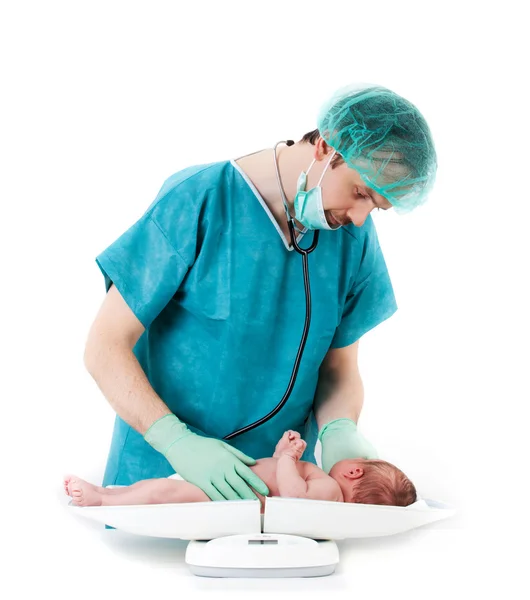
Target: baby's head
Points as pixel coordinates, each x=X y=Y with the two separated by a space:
x=373 y=482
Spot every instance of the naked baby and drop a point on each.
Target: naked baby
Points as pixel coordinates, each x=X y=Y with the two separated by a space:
x=350 y=480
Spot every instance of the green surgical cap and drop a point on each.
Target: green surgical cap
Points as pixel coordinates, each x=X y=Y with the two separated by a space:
x=385 y=138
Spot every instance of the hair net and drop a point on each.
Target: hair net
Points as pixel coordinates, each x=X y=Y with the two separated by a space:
x=385 y=138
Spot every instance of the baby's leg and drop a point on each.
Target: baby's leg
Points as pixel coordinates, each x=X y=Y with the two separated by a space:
x=149 y=491
x=90 y=486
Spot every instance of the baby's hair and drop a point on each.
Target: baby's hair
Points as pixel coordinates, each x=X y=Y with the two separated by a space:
x=384 y=483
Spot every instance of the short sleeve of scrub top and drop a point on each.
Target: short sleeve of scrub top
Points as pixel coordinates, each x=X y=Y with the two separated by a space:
x=371 y=299
x=144 y=265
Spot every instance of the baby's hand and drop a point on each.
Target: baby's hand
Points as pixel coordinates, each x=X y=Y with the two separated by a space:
x=291 y=445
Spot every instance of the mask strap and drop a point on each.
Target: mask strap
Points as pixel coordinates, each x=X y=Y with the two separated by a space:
x=324 y=171
x=309 y=169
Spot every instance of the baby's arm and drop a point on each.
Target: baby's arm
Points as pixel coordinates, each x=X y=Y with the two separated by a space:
x=289 y=481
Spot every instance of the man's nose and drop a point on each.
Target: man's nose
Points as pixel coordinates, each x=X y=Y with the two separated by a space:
x=358 y=216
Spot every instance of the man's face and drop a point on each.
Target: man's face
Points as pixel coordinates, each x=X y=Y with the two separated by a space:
x=347 y=199
x=345 y=196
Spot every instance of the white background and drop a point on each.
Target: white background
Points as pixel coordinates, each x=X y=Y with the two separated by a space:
x=102 y=101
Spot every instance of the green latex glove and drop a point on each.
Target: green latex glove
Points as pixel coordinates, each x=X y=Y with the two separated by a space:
x=340 y=439
x=220 y=470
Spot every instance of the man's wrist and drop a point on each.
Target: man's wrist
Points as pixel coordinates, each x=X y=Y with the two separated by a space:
x=164 y=432
x=337 y=424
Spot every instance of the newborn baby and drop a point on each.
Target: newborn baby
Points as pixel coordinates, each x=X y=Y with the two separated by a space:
x=350 y=480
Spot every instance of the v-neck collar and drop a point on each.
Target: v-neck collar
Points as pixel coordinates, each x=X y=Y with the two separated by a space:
x=265 y=207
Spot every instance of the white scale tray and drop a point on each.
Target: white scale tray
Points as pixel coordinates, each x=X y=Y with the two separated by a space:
x=315 y=519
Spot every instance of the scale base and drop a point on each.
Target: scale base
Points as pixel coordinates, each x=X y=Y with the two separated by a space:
x=262 y=555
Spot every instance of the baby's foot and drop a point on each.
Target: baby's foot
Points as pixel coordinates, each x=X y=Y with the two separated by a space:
x=82 y=492
x=290 y=444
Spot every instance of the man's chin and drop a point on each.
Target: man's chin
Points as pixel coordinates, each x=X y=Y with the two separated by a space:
x=333 y=223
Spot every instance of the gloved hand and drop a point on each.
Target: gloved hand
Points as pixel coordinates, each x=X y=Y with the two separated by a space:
x=340 y=439
x=220 y=470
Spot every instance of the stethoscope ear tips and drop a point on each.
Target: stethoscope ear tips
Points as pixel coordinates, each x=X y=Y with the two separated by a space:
x=290 y=142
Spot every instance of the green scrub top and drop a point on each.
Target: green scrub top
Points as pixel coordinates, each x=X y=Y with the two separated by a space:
x=210 y=275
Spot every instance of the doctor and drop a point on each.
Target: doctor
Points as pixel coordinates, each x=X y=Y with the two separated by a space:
x=205 y=303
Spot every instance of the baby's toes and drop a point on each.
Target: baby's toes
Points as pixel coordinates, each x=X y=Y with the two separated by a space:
x=74 y=485
x=77 y=495
x=67 y=480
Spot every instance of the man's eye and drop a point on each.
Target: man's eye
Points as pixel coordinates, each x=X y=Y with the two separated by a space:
x=364 y=196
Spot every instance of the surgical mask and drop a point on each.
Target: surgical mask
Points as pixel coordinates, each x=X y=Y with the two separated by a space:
x=309 y=210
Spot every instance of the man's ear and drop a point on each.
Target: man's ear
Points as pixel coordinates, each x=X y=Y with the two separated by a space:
x=322 y=148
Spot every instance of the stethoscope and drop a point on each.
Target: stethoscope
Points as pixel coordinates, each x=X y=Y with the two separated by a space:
x=304 y=252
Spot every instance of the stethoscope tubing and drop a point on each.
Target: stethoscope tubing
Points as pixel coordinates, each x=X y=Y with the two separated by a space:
x=304 y=252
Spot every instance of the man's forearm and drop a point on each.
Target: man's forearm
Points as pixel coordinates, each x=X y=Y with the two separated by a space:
x=124 y=384
x=290 y=484
x=338 y=398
